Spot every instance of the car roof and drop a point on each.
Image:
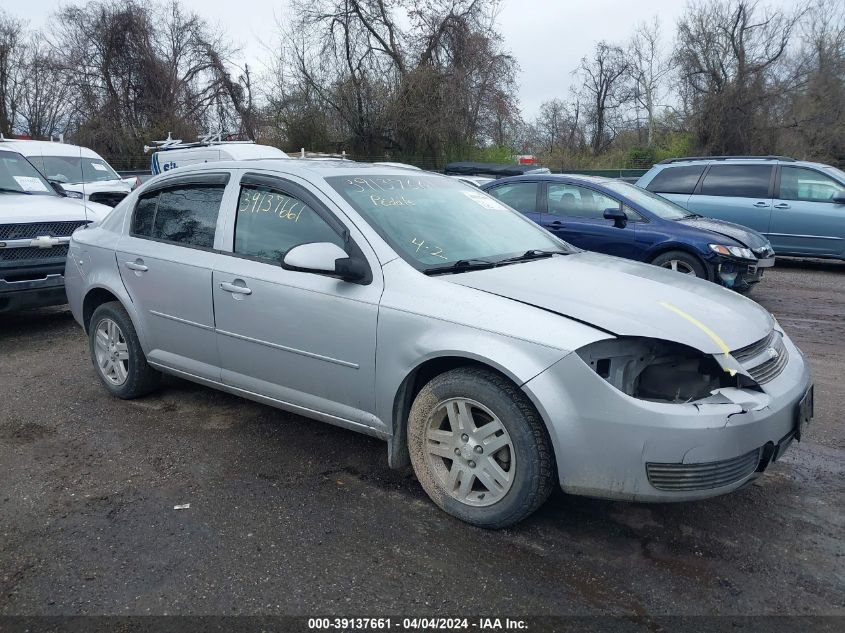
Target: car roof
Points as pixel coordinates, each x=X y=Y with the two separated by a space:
x=740 y=160
x=238 y=151
x=596 y=180
x=322 y=168
x=47 y=148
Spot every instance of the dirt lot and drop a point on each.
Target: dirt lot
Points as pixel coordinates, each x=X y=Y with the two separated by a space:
x=296 y=517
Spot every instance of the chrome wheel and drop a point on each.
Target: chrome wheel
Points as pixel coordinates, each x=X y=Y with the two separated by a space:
x=112 y=352
x=469 y=452
x=679 y=266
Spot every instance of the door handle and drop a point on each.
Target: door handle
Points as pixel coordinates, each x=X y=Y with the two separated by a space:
x=557 y=224
x=761 y=204
x=234 y=288
x=137 y=265
x=782 y=205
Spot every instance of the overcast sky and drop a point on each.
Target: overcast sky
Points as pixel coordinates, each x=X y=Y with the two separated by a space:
x=547 y=37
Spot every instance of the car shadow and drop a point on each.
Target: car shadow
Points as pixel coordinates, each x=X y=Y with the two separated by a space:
x=14 y=324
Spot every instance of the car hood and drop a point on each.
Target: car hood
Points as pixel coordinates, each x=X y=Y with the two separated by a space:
x=17 y=208
x=745 y=236
x=117 y=185
x=628 y=298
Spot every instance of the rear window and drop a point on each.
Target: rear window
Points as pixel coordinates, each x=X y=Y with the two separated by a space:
x=184 y=215
x=741 y=181
x=676 y=179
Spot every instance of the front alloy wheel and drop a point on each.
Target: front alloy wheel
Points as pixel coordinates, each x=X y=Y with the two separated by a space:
x=470 y=452
x=479 y=448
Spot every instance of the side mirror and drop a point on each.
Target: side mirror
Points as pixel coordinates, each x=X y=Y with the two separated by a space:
x=57 y=187
x=620 y=220
x=327 y=259
x=838 y=198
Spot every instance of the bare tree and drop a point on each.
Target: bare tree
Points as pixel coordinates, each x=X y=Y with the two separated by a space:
x=729 y=54
x=11 y=62
x=602 y=78
x=649 y=69
x=44 y=100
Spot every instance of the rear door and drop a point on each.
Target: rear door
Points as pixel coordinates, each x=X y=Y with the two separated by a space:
x=805 y=220
x=166 y=264
x=576 y=214
x=736 y=192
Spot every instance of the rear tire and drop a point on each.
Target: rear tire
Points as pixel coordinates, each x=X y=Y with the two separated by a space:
x=682 y=262
x=117 y=355
x=479 y=448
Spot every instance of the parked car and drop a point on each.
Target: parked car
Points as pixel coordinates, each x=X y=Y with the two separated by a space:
x=798 y=205
x=617 y=218
x=35 y=228
x=173 y=153
x=80 y=171
x=493 y=357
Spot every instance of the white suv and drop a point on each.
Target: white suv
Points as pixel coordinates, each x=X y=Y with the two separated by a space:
x=35 y=228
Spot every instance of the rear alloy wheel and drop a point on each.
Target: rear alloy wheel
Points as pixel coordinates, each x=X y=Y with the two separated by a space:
x=117 y=355
x=479 y=448
x=682 y=262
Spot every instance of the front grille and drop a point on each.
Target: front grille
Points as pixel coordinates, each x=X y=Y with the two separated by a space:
x=109 y=198
x=769 y=354
x=32 y=252
x=771 y=369
x=703 y=476
x=748 y=352
x=34 y=229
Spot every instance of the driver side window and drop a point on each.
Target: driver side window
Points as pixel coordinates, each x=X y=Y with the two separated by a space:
x=571 y=201
x=269 y=223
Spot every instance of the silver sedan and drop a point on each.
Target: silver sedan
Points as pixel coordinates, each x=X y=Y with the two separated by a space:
x=494 y=358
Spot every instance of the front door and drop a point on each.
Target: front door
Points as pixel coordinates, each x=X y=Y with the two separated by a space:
x=300 y=338
x=576 y=214
x=166 y=264
x=805 y=219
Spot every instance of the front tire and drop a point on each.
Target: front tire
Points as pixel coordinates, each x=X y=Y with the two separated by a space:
x=117 y=355
x=479 y=448
x=682 y=262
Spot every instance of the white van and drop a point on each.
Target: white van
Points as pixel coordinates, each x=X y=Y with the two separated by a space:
x=171 y=153
x=80 y=171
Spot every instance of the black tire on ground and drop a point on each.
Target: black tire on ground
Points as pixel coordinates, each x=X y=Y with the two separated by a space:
x=141 y=379
x=688 y=259
x=535 y=473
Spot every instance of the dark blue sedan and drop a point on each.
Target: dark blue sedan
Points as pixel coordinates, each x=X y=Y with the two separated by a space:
x=617 y=218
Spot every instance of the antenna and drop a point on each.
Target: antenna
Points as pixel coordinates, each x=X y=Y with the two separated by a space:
x=82 y=180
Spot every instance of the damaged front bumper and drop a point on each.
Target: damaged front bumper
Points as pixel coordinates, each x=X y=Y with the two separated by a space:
x=611 y=445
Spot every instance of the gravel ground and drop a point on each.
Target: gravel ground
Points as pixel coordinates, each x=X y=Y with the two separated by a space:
x=290 y=516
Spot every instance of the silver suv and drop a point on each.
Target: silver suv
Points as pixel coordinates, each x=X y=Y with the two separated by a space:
x=496 y=359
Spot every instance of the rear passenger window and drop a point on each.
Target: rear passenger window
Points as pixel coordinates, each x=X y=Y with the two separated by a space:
x=184 y=215
x=676 y=179
x=270 y=223
x=142 y=219
x=741 y=181
x=521 y=196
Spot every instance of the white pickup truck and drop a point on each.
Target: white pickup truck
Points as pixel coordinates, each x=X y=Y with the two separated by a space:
x=35 y=227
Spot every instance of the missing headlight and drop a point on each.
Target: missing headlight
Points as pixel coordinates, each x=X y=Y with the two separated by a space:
x=652 y=369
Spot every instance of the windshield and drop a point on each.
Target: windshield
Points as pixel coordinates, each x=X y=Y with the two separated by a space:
x=73 y=170
x=836 y=172
x=658 y=205
x=433 y=221
x=17 y=175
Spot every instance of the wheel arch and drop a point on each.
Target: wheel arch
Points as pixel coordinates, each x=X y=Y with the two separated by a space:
x=94 y=298
x=424 y=371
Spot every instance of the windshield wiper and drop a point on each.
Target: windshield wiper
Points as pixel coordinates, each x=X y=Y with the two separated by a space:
x=460 y=266
x=689 y=215
x=529 y=255
x=10 y=190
